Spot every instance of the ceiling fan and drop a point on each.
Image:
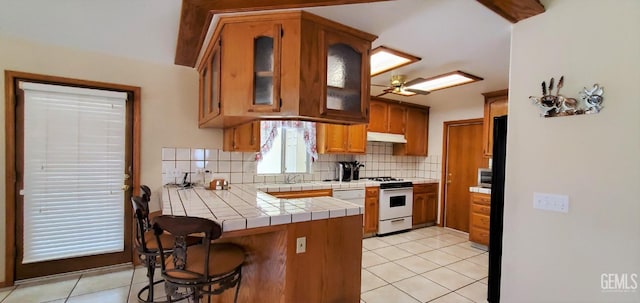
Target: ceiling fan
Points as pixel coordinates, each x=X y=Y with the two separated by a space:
x=398 y=85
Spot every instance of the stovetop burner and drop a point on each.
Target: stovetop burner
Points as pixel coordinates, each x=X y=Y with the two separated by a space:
x=384 y=179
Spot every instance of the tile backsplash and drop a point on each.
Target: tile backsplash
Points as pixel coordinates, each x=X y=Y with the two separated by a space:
x=240 y=167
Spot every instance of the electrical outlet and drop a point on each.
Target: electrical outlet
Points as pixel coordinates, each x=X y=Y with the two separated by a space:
x=552 y=202
x=301 y=245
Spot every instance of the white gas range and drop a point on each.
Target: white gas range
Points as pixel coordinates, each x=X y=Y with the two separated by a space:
x=396 y=205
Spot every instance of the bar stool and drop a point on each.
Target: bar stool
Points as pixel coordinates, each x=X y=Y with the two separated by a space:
x=204 y=269
x=147 y=245
x=146 y=196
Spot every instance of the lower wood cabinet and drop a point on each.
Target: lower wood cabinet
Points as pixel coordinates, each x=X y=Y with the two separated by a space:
x=242 y=138
x=425 y=204
x=479 y=217
x=371 y=209
x=341 y=139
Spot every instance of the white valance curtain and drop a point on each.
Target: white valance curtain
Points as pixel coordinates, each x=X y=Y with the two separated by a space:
x=269 y=130
x=74 y=164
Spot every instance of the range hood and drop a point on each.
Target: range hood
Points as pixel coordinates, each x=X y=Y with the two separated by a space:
x=384 y=137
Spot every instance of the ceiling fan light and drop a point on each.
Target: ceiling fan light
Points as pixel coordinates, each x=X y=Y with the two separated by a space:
x=384 y=59
x=404 y=92
x=443 y=81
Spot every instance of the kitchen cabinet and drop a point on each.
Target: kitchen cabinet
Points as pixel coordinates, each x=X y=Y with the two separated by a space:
x=302 y=193
x=479 y=216
x=341 y=139
x=387 y=117
x=288 y=65
x=425 y=204
x=371 y=210
x=417 y=134
x=495 y=105
x=242 y=138
x=209 y=93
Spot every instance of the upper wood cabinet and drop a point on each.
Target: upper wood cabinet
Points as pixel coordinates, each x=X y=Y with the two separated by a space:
x=341 y=139
x=286 y=65
x=209 y=94
x=417 y=134
x=245 y=137
x=495 y=105
x=387 y=117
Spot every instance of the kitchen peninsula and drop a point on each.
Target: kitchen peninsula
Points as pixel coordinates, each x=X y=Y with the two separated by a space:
x=268 y=229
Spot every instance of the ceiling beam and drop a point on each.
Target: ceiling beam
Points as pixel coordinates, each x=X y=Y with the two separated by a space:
x=197 y=14
x=514 y=10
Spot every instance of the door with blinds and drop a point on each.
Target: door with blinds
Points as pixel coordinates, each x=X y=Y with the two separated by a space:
x=73 y=164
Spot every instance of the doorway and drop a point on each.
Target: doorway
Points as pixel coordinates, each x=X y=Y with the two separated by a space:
x=72 y=159
x=462 y=156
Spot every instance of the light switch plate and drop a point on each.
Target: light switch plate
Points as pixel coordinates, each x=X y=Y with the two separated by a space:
x=301 y=245
x=552 y=202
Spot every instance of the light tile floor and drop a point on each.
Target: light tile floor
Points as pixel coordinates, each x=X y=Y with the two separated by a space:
x=424 y=265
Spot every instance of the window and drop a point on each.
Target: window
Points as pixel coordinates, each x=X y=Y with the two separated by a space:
x=287 y=147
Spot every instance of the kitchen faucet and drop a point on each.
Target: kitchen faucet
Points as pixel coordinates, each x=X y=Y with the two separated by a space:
x=290 y=179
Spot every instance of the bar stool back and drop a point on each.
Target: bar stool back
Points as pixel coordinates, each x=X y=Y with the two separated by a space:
x=204 y=269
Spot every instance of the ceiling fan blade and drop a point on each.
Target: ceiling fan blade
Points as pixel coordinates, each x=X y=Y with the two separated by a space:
x=414 y=81
x=417 y=91
x=386 y=91
x=380 y=85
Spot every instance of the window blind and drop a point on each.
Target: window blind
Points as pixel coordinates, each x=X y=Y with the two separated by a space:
x=74 y=164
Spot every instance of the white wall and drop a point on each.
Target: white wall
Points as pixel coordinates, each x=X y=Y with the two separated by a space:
x=594 y=159
x=169 y=101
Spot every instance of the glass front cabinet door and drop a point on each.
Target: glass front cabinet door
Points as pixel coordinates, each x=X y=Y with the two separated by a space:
x=266 y=68
x=209 y=105
x=347 y=66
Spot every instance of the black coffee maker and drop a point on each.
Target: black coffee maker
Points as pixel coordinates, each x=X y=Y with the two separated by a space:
x=344 y=171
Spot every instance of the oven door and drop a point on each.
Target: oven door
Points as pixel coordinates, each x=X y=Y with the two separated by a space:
x=396 y=203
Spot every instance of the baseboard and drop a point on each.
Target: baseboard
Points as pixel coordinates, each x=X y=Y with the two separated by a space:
x=4 y=284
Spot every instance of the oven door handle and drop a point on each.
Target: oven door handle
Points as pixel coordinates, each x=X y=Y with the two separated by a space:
x=397 y=189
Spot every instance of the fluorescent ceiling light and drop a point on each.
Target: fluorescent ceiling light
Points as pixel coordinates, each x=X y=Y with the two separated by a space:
x=442 y=81
x=384 y=59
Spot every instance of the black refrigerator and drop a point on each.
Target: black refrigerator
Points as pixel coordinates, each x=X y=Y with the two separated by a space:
x=497 y=207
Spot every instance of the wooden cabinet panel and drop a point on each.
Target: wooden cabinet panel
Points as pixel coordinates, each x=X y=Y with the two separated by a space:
x=397 y=119
x=341 y=139
x=425 y=204
x=209 y=93
x=479 y=218
x=378 y=116
x=387 y=117
x=417 y=134
x=245 y=138
x=371 y=210
x=495 y=105
x=357 y=138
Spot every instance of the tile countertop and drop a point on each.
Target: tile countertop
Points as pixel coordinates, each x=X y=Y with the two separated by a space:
x=482 y=190
x=244 y=206
x=362 y=183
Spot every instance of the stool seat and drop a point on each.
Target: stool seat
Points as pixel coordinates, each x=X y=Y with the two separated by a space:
x=227 y=257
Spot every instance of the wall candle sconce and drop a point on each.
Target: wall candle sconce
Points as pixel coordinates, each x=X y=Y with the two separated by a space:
x=550 y=105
